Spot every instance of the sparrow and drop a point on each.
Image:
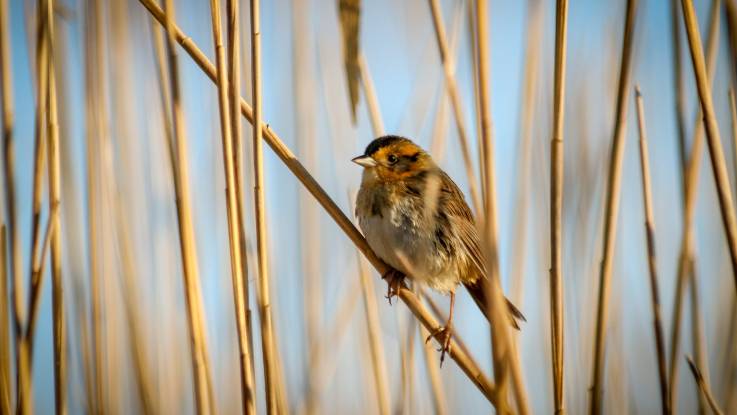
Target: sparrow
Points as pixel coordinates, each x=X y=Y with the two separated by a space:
x=416 y=219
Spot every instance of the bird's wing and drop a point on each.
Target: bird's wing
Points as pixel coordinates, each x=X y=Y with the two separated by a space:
x=461 y=220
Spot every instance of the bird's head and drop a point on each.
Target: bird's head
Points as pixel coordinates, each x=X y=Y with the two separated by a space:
x=393 y=157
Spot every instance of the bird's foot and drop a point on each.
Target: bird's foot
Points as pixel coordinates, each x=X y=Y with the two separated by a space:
x=443 y=334
x=394 y=280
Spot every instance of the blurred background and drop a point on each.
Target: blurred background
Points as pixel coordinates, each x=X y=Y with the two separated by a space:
x=118 y=218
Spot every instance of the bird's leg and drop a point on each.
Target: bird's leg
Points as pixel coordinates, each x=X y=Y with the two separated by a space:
x=394 y=280
x=443 y=333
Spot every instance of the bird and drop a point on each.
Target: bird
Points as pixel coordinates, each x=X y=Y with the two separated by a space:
x=415 y=218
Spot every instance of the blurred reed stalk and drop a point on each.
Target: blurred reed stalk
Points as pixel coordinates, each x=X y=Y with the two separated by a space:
x=6 y=383
x=678 y=88
x=528 y=107
x=651 y=258
x=310 y=234
x=692 y=170
x=376 y=347
x=556 y=204
x=235 y=239
x=195 y=313
x=503 y=350
x=95 y=112
x=264 y=298
x=703 y=387
x=57 y=287
x=435 y=380
x=612 y=209
x=718 y=163
x=464 y=361
x=455 y=100
x=23 y=383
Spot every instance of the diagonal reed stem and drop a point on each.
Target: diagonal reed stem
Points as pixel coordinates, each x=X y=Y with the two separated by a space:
x=612 y=209
x=651 y=259
x=455 y=100
x=703 y=387
x=472 y=371
x=692 y=170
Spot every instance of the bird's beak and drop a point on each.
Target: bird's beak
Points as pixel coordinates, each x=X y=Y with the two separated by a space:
x=365 y=161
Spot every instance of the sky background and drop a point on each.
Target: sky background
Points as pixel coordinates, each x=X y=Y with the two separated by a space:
x=306 y=101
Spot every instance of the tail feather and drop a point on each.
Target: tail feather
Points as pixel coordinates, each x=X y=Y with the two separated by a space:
x=478 y=292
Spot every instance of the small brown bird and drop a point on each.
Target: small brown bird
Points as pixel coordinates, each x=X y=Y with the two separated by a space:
x=416 y=220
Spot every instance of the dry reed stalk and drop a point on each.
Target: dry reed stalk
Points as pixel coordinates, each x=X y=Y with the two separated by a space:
x=652 y=263
x=733 y=118
x=376 y=347
x=439 y=402
x=200 y=369
x=372 y=101
x=697 y=332
x=464 y=361
x=406 y=399
x=5 y=381
x=264 y=297
x=526 y=125
x=95 y=104
x=503 y=350
x=234 y=73
x=703 y=386
x=678 y=88
x=556 y=204
x=719 y=167
x=691 y=183
x=57 y=286
x=612 y=209
x=455 y=99
x=22 y=355
x=236 y=265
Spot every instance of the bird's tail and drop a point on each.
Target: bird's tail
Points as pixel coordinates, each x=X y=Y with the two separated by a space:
x=479 y=290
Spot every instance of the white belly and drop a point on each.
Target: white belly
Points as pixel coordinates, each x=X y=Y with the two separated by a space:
x=399 y=242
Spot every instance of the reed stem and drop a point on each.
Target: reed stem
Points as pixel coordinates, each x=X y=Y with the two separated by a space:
x=612 y=209
x=652 y=263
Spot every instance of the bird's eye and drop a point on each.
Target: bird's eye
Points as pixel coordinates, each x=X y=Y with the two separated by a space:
x=392 y=159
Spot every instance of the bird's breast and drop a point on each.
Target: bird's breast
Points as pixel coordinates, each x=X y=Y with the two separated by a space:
x=399 y=235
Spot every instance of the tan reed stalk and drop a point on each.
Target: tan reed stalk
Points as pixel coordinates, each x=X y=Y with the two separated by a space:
x=236 y=267
x=612 y=209
x=234 y=72
x=693 y=169
x=719 y=167
x=470 y=368
x=407 y=357
x=703 y=387
x=556 y=204
x=95 y=102
x=678 y=88
x=439 y=402
x=376 y=347
x=200 y=370
x=5 y=382
x=729 y=362
x=526 y=125
x=503 y=350
x=22 y=355
x=733 y=117
x=455 y=99
x=264 y=297
x=57 y=286
x=372 y=101
x=697 y=332
x=652 y=263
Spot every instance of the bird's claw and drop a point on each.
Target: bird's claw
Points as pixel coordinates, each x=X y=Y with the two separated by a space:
x=443 y=334
x=394 y=280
